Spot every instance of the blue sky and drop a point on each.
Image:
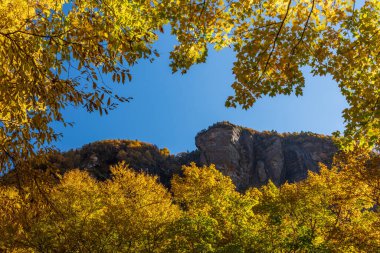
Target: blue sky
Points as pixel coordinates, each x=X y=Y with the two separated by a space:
x=170 y=109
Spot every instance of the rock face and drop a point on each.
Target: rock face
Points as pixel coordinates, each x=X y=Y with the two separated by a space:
x=249 y=157
x=253 y=158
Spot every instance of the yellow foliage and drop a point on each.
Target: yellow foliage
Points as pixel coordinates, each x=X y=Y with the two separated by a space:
x=128 y=213
x=335 y=210
x=53 y=53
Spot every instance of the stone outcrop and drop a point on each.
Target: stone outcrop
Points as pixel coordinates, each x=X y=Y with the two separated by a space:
x=252 y=158
x=249 y=157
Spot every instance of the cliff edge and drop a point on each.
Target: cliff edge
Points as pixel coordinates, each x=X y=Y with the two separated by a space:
x=251 y=158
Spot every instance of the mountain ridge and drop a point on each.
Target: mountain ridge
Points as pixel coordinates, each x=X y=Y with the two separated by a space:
x=251 y=158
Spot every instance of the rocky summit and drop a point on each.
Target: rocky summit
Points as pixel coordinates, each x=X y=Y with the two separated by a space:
x=249 y=157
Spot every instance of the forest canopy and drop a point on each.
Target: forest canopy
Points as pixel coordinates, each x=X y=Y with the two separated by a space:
x=53 y=55
x=333 y=211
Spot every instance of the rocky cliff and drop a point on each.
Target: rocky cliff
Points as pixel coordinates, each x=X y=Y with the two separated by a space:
x=252 y=158
x=249 y=157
